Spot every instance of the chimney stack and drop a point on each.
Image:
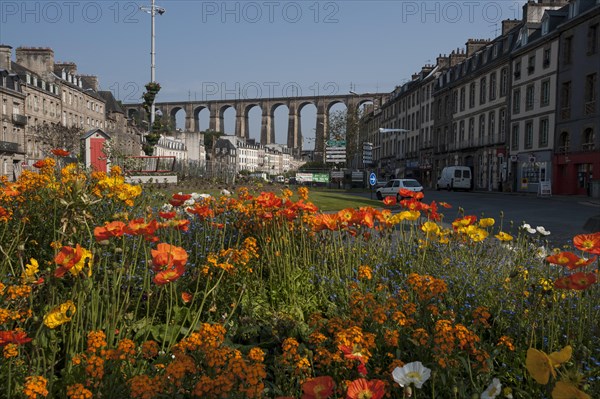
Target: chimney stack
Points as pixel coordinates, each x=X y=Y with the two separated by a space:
x=38 y=59
x=90 y=81
x=5 y=56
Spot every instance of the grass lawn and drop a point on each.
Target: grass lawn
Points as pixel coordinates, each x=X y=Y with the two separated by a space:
x=326 y=200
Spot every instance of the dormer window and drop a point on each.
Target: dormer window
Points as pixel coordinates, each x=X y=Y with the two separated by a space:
x=545 y=25
x=28 y=79
x=35 y=81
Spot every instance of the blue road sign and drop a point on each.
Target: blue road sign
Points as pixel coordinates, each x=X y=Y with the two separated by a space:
x=372 y=179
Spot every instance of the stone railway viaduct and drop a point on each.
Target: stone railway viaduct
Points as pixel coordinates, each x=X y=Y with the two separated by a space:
x=268 y=106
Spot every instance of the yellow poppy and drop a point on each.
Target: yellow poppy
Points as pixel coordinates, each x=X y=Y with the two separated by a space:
x=61 y=314
x=561 y=356
x=539 y=366
x=564 y=390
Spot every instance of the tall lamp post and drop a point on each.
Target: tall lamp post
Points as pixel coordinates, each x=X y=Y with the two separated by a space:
x=152 y=10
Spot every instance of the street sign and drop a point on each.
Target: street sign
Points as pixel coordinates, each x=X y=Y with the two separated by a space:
x=372 y=179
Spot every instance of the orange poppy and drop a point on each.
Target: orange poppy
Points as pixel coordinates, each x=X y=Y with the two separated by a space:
x=268 y=200
x=588 y=242
x=14 y=337
x=202 y=211
x=186 y=297
x=72 y=260
x=318 y=388
x=112 y=229
x=406 y=193
x=362 y=388
x=569 y=260
x=389 y=201
x=59 y=152
x=167 y=256
x=445 y=205
x=139 y=226
x=168 y=276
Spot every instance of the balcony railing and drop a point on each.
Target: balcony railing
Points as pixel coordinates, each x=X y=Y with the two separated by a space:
x=590 y=107
x=19 y=119
x=7 y=146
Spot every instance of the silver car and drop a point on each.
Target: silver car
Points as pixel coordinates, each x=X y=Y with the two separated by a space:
x=392 y=188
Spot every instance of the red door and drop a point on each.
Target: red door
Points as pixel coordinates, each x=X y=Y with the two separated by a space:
x=97 y=156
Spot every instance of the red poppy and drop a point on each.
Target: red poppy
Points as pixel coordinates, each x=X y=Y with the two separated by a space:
x=576 y=281
x=59 y=152
x=362 y=388
x=167 y=215
x=179 y=199
x=318 y=388
x=419 y=195
x=362 y=369
x=588 y=242
x=445 y=205
x=581 y=280
x=569 y=260
x=14 y=337
x=352 y=353
x=389 y=201
x=112 y=229
x=39 y=164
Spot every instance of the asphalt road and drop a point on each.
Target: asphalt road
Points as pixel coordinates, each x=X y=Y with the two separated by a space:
x=563 y=216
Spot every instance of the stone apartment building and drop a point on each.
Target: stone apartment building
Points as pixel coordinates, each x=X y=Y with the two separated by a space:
x=533 y=100
x=577 y=139
x=38 y=91
x=12 y=118
x=518 y=109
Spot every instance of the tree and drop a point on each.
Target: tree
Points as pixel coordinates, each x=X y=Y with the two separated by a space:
x=344 y=125
x=153 y=136
x=51 y=136
x=210 y=137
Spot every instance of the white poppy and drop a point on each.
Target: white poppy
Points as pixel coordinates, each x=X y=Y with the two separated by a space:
x=529 y=229
x=542 y=230
x=166 y=207
x=492 y=390
x=189 y=202
x=411 y=373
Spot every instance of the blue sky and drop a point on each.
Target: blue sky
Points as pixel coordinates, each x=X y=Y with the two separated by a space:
x=222 y=49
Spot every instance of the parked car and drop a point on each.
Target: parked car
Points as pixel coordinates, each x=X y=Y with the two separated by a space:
x=455 y=177
x=392 y=188
x=380 y=183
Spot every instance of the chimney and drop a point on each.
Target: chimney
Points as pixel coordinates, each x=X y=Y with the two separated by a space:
x=442 y=61
x=508 y=25
x=533 y=12
x=69 y=67
x=90 y=81
x=473 y=45
x=38 y=59
x=5 y=55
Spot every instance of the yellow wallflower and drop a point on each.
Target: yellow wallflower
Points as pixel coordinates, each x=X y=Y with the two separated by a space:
x=60 y=315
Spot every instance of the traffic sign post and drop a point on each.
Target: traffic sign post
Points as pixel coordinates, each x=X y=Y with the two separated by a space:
x=372 y=182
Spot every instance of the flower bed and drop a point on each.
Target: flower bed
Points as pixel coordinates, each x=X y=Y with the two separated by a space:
x=105 y=294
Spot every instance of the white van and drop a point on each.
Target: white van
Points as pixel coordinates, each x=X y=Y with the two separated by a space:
x=455 y=177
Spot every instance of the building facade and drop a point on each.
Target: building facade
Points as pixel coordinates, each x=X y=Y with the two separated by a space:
x=577 y=141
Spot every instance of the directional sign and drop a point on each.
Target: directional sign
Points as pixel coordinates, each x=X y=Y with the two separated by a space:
x=372 y=179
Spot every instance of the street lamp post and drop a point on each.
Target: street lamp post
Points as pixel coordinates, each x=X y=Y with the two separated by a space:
x=152 y=10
